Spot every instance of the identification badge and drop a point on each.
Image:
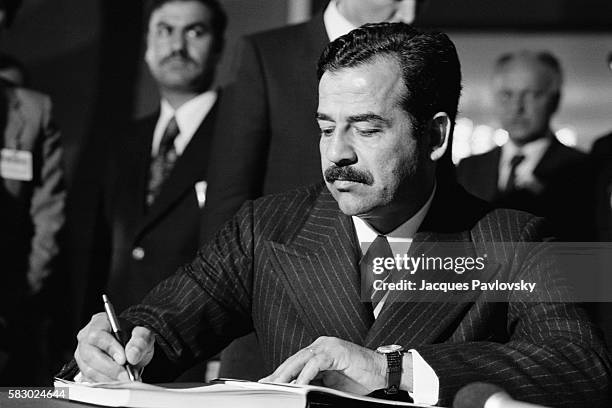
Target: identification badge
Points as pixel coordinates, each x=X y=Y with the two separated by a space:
x=16 y=165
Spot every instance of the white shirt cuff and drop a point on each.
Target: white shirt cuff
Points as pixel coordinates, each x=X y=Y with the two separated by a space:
x=425 y=383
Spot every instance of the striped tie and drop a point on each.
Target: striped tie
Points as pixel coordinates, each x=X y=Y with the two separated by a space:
x=378 y=249
x=163 y=162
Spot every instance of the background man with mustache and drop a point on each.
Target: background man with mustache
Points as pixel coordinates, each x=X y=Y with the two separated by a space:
x=156 y=182
x=289 y=266
x=533 y=171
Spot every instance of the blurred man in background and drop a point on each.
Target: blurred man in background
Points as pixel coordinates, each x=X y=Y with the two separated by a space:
x=533 y=171
x=156 y=183
x=32 y=199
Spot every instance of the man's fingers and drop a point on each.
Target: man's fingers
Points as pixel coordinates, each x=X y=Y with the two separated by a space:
x=98 y=334
x=139 y=350
x=318 y=363
x=95 y=365
x=102 y=358
x=291 y=367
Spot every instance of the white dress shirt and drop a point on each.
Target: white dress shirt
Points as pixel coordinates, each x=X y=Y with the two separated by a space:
x=335 y=23
x=189 y=116
x=425 y=382
x=532 y=151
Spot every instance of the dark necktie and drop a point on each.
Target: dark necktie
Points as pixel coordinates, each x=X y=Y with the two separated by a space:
x=378 y=249
x=162 y=163
x=514 y=163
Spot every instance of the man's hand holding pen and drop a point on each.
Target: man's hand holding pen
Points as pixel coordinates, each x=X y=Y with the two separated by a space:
x=101 y=358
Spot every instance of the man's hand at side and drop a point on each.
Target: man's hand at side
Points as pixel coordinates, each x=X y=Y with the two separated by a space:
x=101 y=357
x=340 y=364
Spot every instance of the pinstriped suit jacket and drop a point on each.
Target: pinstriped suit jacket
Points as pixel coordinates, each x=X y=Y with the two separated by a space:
x=286 y=266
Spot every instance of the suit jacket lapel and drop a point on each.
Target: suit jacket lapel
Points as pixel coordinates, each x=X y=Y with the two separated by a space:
x=492 y=167
x=319 y=268
x=554 y=158
x=410 y=323
x=133 y=173
x=189 y=169
x=14 y=120
x=429 y=319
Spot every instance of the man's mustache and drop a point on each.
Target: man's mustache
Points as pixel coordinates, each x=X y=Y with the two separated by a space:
x=347 y=173
x=178 y=54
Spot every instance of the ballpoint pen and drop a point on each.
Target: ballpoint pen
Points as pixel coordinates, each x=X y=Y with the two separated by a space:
x=118 y=333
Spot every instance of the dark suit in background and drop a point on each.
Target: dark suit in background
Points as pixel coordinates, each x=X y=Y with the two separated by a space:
x=139 y=246
x=567 y=180
x=601 y=152
x=277 y=267
x=268 y=134
x=148 y=244
x=31 y=219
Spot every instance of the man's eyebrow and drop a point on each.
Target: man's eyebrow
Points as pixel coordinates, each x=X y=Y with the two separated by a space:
x=186 y=27
x=322 y=116
x=368 y=117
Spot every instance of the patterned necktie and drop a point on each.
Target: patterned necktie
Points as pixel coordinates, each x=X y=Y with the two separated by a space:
x=378 y=249
x=514 y=163
x=162 y=163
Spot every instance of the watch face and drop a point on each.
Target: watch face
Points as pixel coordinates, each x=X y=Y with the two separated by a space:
x=392 y=348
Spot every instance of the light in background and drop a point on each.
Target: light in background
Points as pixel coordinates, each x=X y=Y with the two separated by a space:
x=470 y=139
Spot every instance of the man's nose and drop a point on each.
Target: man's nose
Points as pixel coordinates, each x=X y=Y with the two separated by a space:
x=516 y=104
x=178 y=41
x=340 y=150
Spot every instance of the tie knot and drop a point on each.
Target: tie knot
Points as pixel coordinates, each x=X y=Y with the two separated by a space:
x=380 y=247
x=171 y=132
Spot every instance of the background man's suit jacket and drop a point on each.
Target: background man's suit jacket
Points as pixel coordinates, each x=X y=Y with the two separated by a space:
x=32 y=211
x=166 y=234
x=287 y=267
x=566 y=199
x=31 y=220
x=602 y=154
x=269 y=138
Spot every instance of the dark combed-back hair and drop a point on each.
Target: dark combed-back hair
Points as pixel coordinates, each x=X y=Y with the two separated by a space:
x=219 y=17
x=430 y=70
x=428 y=60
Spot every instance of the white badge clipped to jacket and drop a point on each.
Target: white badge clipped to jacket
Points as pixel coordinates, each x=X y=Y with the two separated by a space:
x=16 y=165
x=200 y=189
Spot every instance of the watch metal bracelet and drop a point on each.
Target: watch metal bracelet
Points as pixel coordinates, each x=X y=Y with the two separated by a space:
x=394 y=372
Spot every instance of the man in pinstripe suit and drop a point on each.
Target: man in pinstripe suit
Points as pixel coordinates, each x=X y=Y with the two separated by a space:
x=287 y=265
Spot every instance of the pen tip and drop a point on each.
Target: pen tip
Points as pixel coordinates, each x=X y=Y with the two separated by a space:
x=104 y=298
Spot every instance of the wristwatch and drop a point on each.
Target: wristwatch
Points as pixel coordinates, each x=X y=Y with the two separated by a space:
x=394 y=354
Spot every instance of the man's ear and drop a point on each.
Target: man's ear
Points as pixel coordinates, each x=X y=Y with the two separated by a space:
x=440 y=130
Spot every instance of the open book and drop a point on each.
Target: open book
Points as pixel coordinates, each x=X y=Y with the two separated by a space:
x=228 y=393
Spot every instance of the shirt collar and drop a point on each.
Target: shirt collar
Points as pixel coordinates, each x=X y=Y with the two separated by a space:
x=188 y=116
x=404 y=233
x=533 y=151
x=335 y=23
